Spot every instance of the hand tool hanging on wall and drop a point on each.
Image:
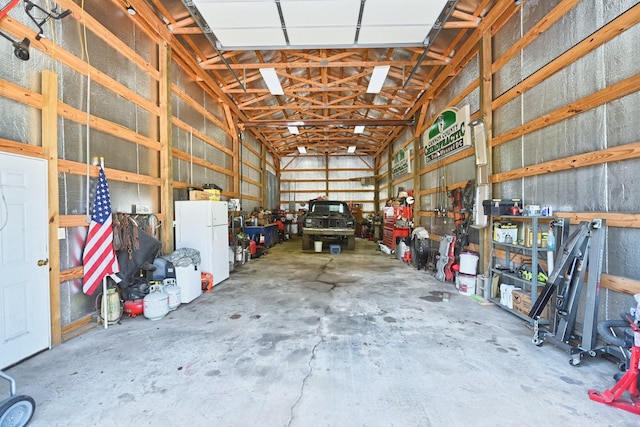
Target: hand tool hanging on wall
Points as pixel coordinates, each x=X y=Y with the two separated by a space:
x=46 y=17
x=582 y=252
x=462 y=209
x=21 y=48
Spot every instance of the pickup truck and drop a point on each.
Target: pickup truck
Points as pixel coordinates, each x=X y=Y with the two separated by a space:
x=328 y=220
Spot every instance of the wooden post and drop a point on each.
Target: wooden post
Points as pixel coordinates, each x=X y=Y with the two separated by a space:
x=376 y=185
x=486 y=113
x=50 y=146
x=389 y=172
x=326 y=175
x=235 y=160
x=166 y=146
x=417 y=139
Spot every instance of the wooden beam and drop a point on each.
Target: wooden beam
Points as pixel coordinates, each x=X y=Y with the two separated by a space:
x=620 y=284
x=21 y=149
x=318 y=64
x=613 y=29
x=94 y=26
x=540 y=27
x=608 y=94
x=486 y=114
x=614 y=219
x=50 y=146
x=166 y=147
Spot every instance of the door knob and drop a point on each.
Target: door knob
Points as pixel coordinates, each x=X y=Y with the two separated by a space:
x=42 y=262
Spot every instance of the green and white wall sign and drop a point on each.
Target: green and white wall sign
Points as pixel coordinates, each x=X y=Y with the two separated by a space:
x=447 y=134
x=400 y=164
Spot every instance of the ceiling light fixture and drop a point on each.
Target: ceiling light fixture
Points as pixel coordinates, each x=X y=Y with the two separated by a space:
x=131 y=10
x=377 y=78
x=358 y=129
x=293 y=130
x=271 y=79
x=351 y=149
x=302 y=150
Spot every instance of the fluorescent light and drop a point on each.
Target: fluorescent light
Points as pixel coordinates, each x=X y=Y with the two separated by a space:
x=358 y=129
x=377 y=78
x=271 y=79
x=293 y=130
x=351 y=149
x=302 y=150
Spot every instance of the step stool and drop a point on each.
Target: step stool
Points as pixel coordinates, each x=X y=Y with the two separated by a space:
x=334 y=249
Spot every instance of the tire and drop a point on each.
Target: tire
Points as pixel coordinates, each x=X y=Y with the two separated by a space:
x=306 y=242
x=351 y=243
x=17 y=411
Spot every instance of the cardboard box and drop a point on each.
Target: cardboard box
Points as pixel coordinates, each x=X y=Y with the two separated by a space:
x=522 y=303
x=198 y=195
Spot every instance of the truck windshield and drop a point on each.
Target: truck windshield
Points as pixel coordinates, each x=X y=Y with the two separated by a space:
x=328 y=208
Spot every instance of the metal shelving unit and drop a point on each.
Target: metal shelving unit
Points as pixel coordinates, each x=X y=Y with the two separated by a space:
x=518 y=248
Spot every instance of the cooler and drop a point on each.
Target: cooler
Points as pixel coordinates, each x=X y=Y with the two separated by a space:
x=188 y=279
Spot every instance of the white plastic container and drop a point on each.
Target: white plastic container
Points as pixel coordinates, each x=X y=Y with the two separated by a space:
x=469 y=263
x=190 y=283
x=506 y=294
x=318 y=245
x=467 y=284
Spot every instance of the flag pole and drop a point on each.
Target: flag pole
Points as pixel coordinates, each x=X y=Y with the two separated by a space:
x=105 y=309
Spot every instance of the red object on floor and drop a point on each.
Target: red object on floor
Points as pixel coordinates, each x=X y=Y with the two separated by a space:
x=206 y=280
x=252 y=247
x=133 y=307
x=628 y=383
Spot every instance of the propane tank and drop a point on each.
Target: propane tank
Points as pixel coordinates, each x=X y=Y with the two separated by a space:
x=156 y=303
x=173 y=290
x=114 y=309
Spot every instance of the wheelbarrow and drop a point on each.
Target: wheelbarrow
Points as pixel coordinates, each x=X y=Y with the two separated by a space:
x=17 y=410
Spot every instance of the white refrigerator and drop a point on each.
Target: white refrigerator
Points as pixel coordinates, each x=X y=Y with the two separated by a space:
x=203 y=225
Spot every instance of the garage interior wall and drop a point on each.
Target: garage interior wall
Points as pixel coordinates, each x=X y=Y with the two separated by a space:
x=306 y=177
x=562 y=131
x=563 y=86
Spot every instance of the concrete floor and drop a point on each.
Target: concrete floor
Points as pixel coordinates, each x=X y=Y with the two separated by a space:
x=314 y=339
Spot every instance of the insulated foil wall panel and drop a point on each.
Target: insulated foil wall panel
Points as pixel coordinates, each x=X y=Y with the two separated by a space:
x=621 y=129
x=570 y=191
x=623 y=244
x=578 y=23
x=510 y=74
x=623 y=184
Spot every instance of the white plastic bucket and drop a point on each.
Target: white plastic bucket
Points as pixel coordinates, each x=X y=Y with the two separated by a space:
x=468 y=263
x=318 y=245
x=467 y=284
x=294 y=228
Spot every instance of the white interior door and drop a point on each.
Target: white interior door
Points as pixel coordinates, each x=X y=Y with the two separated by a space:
x=24 y=258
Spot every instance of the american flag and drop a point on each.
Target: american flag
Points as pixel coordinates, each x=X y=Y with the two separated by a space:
x=99 y=258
